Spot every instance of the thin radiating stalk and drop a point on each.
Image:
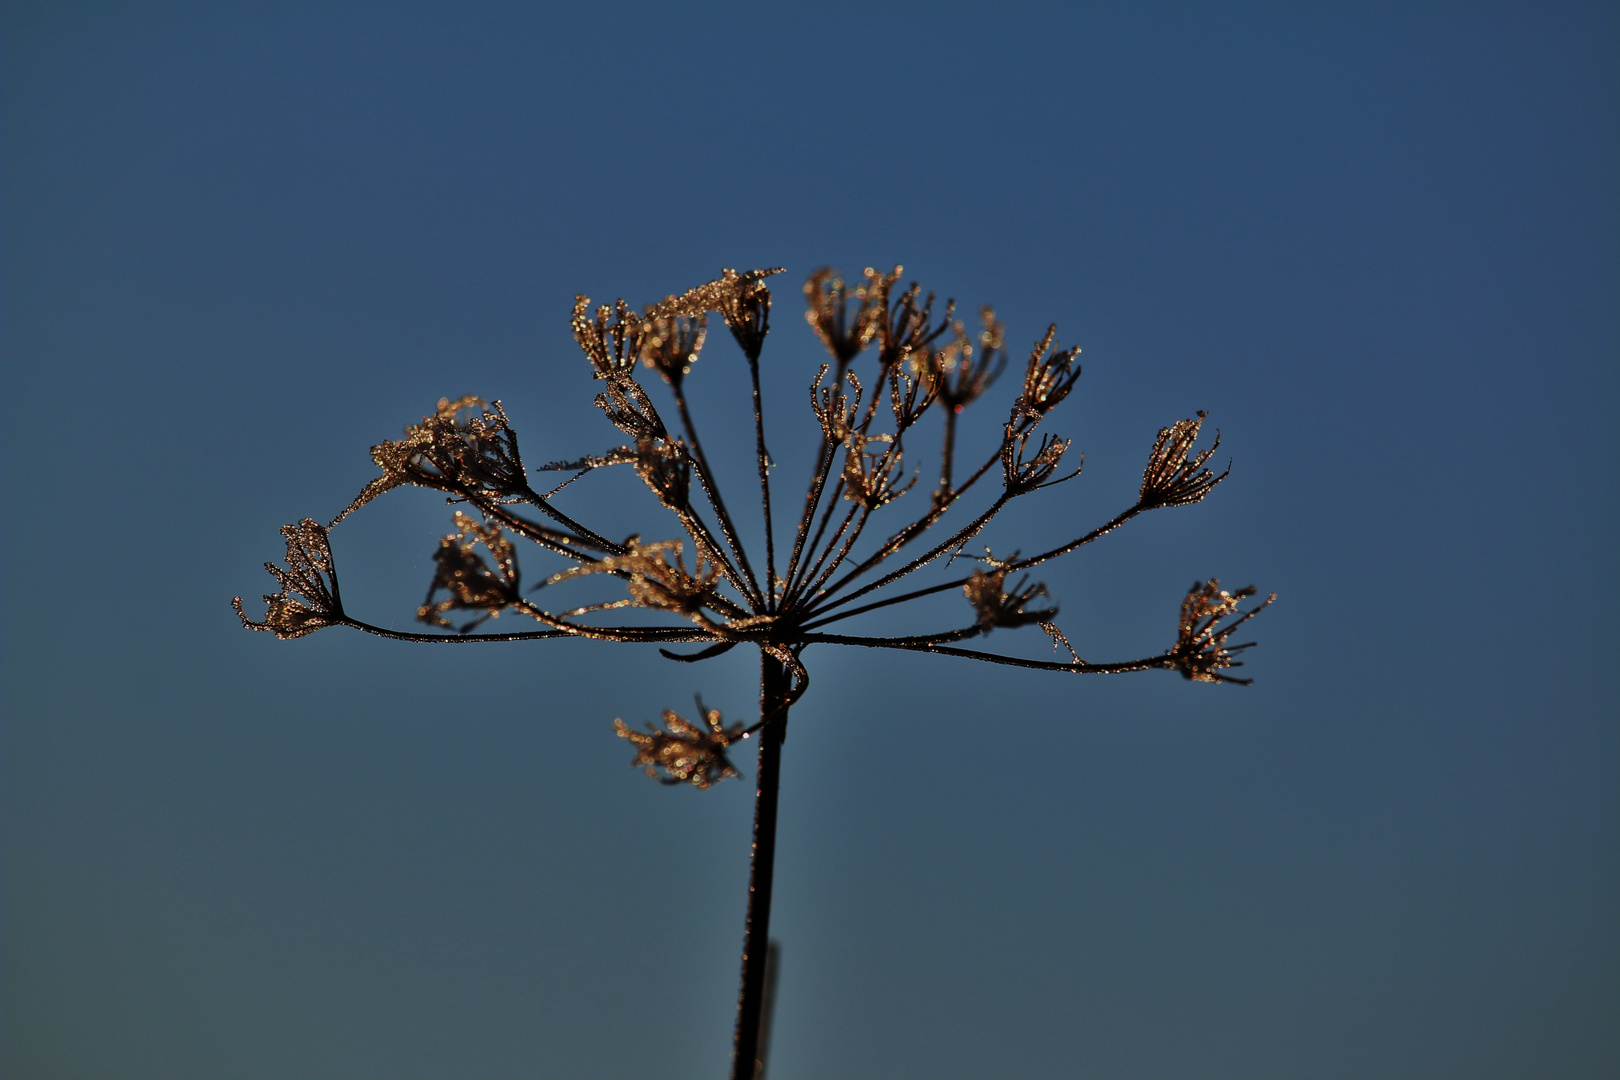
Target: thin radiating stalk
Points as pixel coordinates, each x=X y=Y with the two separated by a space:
x=773 y=973
x=923 y=645
x=947 y=452
x=958 y=538
x=825 y=456
x=764 y=487
x=711 y=488
x=805 y=571
x=910 y=533
x=773 y=686
x=1020 y=564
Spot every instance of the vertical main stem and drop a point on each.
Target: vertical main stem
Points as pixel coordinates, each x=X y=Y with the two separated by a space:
x=773 y=686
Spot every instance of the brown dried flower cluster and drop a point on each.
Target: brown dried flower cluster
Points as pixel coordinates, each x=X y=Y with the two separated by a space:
x=987 y=592
x=471 y=583
x=849 y=539
x=1176 y=475
x=1201 y=652
x=685 y=752
x=308 y=600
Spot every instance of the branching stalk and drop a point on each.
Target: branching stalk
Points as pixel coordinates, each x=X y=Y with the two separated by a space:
x=465 y=449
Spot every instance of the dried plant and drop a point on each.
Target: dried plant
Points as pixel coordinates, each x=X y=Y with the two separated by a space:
x=987 y=592
x=687 y=753
x=1201 y=651
x=467 y=450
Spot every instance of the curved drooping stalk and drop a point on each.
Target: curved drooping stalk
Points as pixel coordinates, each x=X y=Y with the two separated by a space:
x=774 y=682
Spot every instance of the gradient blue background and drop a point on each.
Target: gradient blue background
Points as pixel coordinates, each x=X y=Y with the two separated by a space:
x=1379 y=244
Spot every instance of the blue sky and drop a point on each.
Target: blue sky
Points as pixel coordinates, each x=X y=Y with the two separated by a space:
x=1379 y=246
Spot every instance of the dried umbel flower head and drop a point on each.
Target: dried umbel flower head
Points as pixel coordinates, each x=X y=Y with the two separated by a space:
x=687 y=753
x=1176 y=476
x=658 y=579
x=1023 y=475
x=630 y=410
x=911 y=392
x=833 y=409
x=741 y=299
x=929 y=369
x=995 y=606
x=1048 y=378
x=845 y=336
x=872 y=477
x=671 y=343
x=309 y=598
x=655 y=577
x=731 y=294
x=666 y=469
x=1201 y=652
x=959 y=378
x=612 y=340
x=905 y=329
x=472 y=584
x=464 y=447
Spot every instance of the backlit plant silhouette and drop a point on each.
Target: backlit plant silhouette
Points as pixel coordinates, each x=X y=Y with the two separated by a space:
x=716 y=593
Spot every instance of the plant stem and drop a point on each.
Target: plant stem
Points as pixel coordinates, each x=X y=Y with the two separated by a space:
x=774 y=683
x=772 y=596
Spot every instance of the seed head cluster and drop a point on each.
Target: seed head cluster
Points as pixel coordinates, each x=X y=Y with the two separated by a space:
x=853 y=543
x=849 y=539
